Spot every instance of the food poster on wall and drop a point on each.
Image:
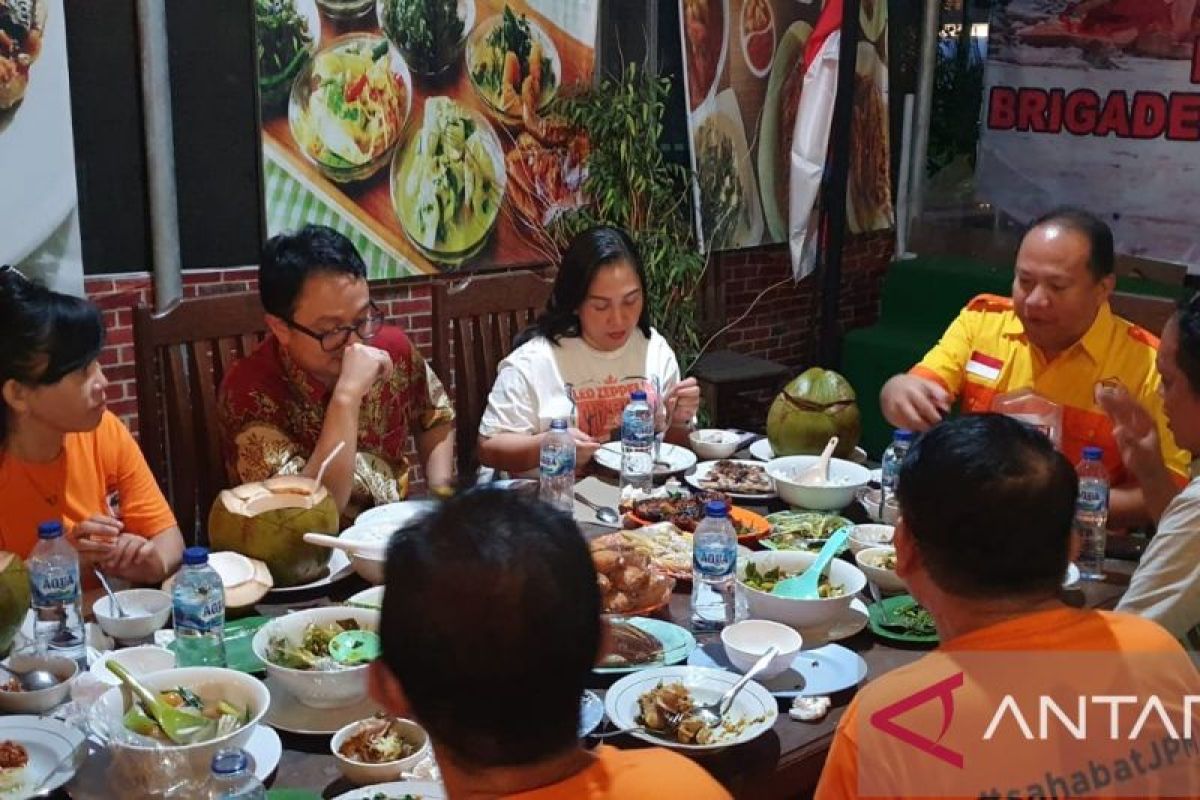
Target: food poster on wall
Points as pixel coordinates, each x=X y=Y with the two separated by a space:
x=1097 y=104
x=421 y=128
x=745 y=63
x=39 y=231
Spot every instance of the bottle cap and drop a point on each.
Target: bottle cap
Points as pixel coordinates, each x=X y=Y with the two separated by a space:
x=1093 y=453
x=195 y=555
x=715 y=509
x=558 y=425
x=638 y=395
x=228 y=760
x=50 y=530
x=903 y=435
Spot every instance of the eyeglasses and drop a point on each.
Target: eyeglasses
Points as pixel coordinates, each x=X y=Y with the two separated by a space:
x=336 y=338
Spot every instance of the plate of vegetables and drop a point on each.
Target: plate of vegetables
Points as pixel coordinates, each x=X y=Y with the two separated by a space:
x=349 y=106
x=430 y=34
x=514 y=66
x=287 y=33
x=802 y=530
x=448 y=182
x=902 y=619
x=397 y=790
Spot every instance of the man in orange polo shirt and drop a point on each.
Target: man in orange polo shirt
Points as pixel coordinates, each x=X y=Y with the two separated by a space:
x=491 y=626
x=983 y=542
x=1057 y=336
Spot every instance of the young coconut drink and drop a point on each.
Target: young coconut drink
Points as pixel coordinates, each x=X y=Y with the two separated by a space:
x=267 y=520
x=813 y=407
x=14 y=597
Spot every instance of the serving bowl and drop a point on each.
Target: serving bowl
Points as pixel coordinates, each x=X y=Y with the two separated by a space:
x=845 y=480
x=147 y=610
x=476 y=46
x=868 y=498
x=418 y=63
x=370 y=564
x=141 y=660
x=398 y=515
x=316 y=688
x=799 y=613
x=864 y=536
x=870 y=561
x=746 y=641
x=157 y=765
x=368 y=598
x=364 y=773
x=42 y=700
x=712 y=444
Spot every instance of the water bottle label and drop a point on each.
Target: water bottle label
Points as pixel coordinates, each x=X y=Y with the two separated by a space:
x=203 y=617
x=1093 y=498
x=714 y=562
x=556 y=463
x=54 y=586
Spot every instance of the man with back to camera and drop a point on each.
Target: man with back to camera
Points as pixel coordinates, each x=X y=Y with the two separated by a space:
x=331 y=371
x=1058 y=336
x=491 y=625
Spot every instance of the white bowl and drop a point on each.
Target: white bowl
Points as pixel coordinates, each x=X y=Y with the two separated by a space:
x=314 y=688
x=141 y=660
x=869 y=561
x=41 y=701
x=868 y=498
x=711 y=444
x=800 y=613
x=147 y=609
x=363 y=773
x=746 y=641
x=846 y=479
x=864 y=536
x=368 y=598
x=395 y=514
x=143 y=759
x=370 y=568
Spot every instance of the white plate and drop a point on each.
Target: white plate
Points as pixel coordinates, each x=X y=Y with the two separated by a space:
x=703 y=468
x=37 y=151
x=47 y=742
x=423 y=790
x=706 y=686
x=289 y=714
x=1073 y=576
x=679 y=459
x=339 y=570
x=265 y=747
x=140 y=660
x=397 y=514
x=367 y=598
x=848 y=624
x=763 y=452
x=822 y=671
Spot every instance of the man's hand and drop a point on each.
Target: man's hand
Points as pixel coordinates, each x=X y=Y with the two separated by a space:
x=911 y=402
x=362 y=367
x=1135 y=433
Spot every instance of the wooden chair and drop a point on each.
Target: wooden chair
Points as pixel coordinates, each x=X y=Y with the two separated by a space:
x=181 y=356
x=474 y=324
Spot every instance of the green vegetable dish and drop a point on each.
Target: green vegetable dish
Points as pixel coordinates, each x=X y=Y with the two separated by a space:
x=227 y=716
x=284 y=43
x=450 y=182
x=765 y=581
x=913 y=619
x=803 y=530
x=430 y=34
x=513 y=68
x=312 y=652
x=722 y=203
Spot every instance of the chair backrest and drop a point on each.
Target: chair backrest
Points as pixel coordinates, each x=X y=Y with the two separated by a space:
x=474 y=324
x=181 y=356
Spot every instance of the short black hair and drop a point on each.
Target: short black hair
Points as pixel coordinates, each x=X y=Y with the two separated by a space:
x=46 y=335
x=989 y=502
x=289 y=258
x=491 y=623
x=1188 y=357
x=588 y=251
x=1102 y=257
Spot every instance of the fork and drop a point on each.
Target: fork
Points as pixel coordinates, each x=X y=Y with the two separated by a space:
x=885 y=615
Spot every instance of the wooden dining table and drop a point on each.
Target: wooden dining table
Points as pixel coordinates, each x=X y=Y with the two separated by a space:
x=785 y=762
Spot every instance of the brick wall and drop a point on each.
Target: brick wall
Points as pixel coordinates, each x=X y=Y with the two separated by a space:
x=782 y=327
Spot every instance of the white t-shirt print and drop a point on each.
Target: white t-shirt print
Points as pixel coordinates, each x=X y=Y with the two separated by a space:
x=531 y=388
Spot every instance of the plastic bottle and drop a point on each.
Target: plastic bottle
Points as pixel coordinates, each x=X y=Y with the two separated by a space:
x=55 y=594
x=893 y=456
x=637 y=443
x=714 y=568
x=1091 y=513
x=198 y=603
x=556 y=468
x=231 y=778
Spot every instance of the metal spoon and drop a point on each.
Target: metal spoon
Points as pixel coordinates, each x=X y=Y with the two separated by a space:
x=33 y=680
x=711 y=714
x=112 y=598
x=603 y=513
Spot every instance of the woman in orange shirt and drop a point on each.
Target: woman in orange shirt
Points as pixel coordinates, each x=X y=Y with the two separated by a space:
x=63 y=456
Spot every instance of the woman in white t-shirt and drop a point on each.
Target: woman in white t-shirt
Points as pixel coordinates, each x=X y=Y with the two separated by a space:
x=583 y=357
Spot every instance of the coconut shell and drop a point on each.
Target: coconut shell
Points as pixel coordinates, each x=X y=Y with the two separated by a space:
x=14 y=597
x=815 y=406
x=268 y=520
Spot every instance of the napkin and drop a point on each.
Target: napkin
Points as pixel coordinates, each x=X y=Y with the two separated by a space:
x=600 y=493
